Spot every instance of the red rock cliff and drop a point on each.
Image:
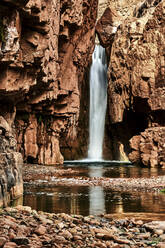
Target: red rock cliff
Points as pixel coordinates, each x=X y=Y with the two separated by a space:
x=45 y=50
x=136 y=80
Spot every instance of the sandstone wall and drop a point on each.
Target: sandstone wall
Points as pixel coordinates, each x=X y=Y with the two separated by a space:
x=135 y=43
x=124 y=8
x=45 y=55
x=45 y=51
x=11 y=162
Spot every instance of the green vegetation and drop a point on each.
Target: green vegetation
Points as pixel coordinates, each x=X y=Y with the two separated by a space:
x=46 y=120
x=162 y=191
x=39 y=119
x=25 y=117
x=2 y=31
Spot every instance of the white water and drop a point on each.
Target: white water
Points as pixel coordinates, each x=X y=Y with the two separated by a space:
x=98 y=102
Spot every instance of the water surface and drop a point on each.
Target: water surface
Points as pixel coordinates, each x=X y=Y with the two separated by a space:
x=96 y=200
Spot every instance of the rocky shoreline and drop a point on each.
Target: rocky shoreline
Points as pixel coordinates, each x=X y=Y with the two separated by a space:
x=55 y=176
x=24 y=227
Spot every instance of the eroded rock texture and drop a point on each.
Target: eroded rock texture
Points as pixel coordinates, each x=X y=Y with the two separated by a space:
x=45 y=50
x=137 y=80
x=11 y=184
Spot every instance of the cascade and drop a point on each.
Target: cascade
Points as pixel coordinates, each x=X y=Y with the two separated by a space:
x=98 y=102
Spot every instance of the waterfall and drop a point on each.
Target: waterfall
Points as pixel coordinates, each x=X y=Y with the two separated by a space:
x=98 y=102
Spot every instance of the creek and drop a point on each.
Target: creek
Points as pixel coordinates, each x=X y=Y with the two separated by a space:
x=80 y=192
x=95 y=200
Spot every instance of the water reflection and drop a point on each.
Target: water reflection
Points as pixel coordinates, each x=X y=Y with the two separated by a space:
x=96 y=200
x=96 y=193
x=117 y=171
x=85 y=201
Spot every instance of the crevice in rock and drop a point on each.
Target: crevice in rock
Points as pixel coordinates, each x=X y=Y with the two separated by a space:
x=133 y=124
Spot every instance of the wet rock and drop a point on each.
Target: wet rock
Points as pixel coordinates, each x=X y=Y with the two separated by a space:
x=21 y=240
x=158 y=231
x=60 y=225
x=12 y=235
x=66 y=234
x=23 y=208
x=77 y=237
x=162 y=237
x=160 y=225
x=139 y=222
x=2 y=241
x=45 y=221
x=144 y=235
x=114 y=233
x=10 y=245
x=41 y=230
x=59 y=239
x=161 y=245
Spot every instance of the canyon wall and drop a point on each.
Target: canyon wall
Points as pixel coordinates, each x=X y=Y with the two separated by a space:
x=134 y=38
x=45 y=56
x=45 y=52
x=11 y=184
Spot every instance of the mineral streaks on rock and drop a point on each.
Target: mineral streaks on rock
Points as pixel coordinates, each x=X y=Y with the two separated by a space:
x=45 y=48
x=11 y=184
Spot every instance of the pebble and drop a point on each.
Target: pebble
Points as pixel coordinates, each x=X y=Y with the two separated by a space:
x=162 y=237
x=66 y=234
x=2 y=241
x=144 y=235
x=158 y=231
x=77 y=237
x=26 y=229
x=57 y=176
x=10 y=245
x=21 y=240
x=161 y=245
x=41 y=230
x=60 y=225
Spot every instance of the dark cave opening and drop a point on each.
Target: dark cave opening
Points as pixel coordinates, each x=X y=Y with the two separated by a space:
x=133 y=124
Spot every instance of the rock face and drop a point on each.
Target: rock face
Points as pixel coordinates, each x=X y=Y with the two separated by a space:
x=45 y=51
x=10 y=165
x=45 y=54
x=136 y=80
x=148 y=147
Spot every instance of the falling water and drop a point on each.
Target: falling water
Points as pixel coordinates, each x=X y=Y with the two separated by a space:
x=98 y=102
